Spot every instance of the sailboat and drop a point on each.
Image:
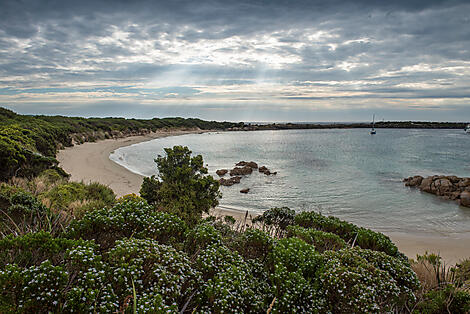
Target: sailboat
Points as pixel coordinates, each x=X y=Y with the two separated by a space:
x=372 y=131
x=467 y=129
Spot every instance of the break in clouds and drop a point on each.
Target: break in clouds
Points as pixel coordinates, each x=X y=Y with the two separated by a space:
x=238 y=60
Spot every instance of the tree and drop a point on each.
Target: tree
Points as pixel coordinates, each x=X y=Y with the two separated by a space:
x=182 y=186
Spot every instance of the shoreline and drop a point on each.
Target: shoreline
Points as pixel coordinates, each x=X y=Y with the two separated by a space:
x=90 y=162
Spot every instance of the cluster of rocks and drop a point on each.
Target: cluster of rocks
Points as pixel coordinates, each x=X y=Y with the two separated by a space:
x=266 y=171
x=447 y=187
x=241 y=168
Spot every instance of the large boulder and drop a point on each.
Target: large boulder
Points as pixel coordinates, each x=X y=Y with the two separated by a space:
x=413 y=181
x=237 y=171
x=442 y=187
x=426 y=184
x=221 y=172
x=229 y=182
x=465 y=198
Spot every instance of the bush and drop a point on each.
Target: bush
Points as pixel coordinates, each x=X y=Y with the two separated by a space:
x=322 y=241
x=447 y=299
x=163 y=277
x=26 y=214
x=294 y=265
x=365 y=238
x=182 y=186
x=128 y=218
x=364 y=281
x=255 y=244
x=230 y=286
x=276 y=220
x=66 y=196
x=201 y=237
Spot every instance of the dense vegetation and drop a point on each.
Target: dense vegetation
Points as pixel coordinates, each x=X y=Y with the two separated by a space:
x=72 y=247
x=28 y=144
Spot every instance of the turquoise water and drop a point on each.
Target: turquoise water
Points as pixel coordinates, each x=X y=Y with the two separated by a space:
x=344 y=172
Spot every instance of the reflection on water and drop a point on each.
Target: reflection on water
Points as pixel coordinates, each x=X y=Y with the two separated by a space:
x=346 y=173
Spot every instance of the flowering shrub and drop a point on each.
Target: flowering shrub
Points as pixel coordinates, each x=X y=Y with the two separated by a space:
x=276 y=220
x=125 y=219
x=230 y=284
x=202 y=236
x=322 y=241
x=294 y=264
x=162 y=276
x=254 y=243
x=365 y=238
x=359 y=281
x=34 y=248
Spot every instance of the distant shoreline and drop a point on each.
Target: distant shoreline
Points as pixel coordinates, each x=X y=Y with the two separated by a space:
x=90 y=162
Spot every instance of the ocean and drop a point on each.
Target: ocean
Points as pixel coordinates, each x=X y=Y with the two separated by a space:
x=342 y=172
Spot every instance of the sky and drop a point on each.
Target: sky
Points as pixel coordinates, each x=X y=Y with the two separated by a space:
x=238 y=60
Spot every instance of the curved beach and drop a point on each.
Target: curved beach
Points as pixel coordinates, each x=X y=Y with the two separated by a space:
x=90 y=162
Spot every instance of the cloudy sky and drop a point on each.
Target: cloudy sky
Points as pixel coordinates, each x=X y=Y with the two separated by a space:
x=238 y=60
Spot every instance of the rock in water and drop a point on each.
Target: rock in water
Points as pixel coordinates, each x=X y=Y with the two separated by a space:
x=221 y=172
x=447 y=187
x=241 y=171
x=245 y=190
x=465 y=198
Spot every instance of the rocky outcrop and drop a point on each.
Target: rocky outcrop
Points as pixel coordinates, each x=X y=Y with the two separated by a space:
x=230 y=182
x=245 y=191
x=250 y=164
x=221 y=172
x=447 y=187
x=266 y=171
x=238 y=171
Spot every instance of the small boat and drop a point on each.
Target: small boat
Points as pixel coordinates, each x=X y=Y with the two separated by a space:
x=467 y=129
x=372 y=131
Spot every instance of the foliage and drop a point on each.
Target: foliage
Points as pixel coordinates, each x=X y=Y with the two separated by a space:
x=28 y=144
x=276 y=220
x=200 y=237
x=182 y=186
x=364 y=238
x=128 y=218
x=24 y=213
x=448 y=299
x=294 y=265
x=91 y=195
x=164 y=278
x=230 y=284
x=255 y=244
x=322 y=241
x=365 y=281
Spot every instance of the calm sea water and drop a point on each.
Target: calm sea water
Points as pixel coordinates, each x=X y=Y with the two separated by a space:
x=345 y=172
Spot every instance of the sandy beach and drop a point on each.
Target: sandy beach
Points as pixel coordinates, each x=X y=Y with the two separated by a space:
x=89 y=162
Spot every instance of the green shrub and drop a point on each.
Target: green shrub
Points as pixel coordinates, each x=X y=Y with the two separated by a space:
x=230 y=285
x=129 y=218
x=183 y=186
x=322 y=241
x=64 y=195
x=294 y=265
x=200 y=237
x=365 y=238
x=163 y=277
x=26 y=214
x=276 y=220
x=254 y=244
x=364 y=281
x=34 y=248
x=447 y=299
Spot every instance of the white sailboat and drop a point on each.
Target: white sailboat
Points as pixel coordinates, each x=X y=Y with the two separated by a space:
x=467 y=129
x=372 y=131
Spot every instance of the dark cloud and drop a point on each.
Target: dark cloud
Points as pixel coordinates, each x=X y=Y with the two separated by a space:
x=346 y=51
